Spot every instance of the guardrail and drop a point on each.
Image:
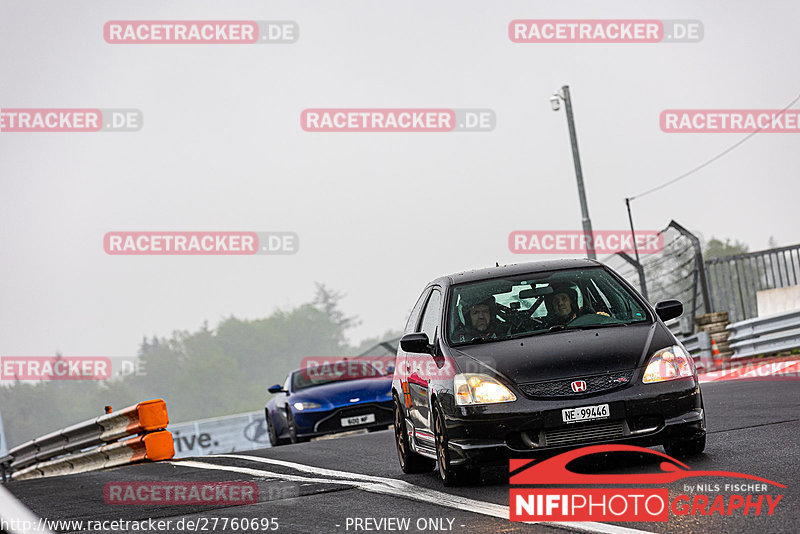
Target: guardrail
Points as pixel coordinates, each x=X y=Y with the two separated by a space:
x=765 y=335
x=66 y=451
x=691 y=344
x=699 y=347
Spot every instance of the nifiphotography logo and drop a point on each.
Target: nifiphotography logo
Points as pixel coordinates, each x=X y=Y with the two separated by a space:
x=623 y=502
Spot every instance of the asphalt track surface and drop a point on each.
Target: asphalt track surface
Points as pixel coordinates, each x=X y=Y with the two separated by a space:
x=328 y=485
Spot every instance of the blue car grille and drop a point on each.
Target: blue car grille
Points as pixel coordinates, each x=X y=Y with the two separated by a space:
x=563 y=388
x=383 y=415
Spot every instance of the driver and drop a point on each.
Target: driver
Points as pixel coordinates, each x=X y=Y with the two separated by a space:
x=480 y=318
x=562 y=305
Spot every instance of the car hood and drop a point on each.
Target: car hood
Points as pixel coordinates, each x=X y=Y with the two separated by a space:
x=564 y=354
x=343 y=392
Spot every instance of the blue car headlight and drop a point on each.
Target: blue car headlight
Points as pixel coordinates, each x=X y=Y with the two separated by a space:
x=300 y=406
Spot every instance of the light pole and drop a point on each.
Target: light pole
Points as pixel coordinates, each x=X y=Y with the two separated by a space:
x=639 y=266
x=555 y=103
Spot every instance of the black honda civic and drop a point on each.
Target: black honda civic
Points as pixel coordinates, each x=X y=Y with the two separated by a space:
x=518 y=360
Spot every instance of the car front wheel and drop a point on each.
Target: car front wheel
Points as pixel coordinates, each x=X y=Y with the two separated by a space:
x=293 y=437
x=448 y=473
x=274 y=440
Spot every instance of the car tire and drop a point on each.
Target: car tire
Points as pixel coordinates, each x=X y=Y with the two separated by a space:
x=449 y=474
x=293 y=437
x=274 y=440
x=682 y=448
x=410 y=461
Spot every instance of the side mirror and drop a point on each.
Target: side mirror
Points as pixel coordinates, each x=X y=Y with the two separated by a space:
x=275 y=389
x=669 y=309
x=417 y=342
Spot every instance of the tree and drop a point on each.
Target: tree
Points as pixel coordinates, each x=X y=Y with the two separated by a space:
x=327 y=301
x=206 y=373
x=715 y=248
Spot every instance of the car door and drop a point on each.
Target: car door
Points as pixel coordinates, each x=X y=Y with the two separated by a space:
x=419 y=365
x=400 y=361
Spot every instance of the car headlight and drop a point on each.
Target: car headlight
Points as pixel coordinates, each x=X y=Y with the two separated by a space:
x=480 y=389
x=668 y=364
x=300 y=406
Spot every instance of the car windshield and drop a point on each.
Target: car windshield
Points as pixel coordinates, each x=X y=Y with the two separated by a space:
x=338 y=371
x=540 y=303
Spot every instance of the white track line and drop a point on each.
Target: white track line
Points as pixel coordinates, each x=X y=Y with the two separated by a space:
x=18 y=519
x=394 y=487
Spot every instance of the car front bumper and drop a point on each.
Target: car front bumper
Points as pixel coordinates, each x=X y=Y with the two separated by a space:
x=319 y=423
x=644 y=415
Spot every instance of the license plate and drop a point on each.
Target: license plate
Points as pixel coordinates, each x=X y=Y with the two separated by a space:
x=585 y=413
x=361 y=419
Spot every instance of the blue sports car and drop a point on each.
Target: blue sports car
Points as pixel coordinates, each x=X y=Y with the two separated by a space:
x=314 y=402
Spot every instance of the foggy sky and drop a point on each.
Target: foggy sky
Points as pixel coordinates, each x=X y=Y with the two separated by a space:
x=378 y=215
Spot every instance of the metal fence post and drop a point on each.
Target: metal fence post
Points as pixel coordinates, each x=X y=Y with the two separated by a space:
x=640 y=269
x=699 y=265
x=704 y=342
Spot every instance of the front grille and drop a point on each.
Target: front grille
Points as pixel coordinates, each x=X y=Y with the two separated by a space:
x=584 y=433
x=563 y=388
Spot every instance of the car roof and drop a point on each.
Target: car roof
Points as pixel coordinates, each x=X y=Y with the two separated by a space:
x=532 y=267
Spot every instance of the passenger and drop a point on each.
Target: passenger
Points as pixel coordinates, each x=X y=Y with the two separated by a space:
x=480 y=321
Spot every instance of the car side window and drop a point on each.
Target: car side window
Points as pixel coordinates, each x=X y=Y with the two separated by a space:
x=288 y=383
x=413 y=319
x=430 y=319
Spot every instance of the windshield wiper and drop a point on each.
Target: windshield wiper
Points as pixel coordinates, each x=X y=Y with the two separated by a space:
x=479 y=339
x=559 y=327
x=526 y=334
